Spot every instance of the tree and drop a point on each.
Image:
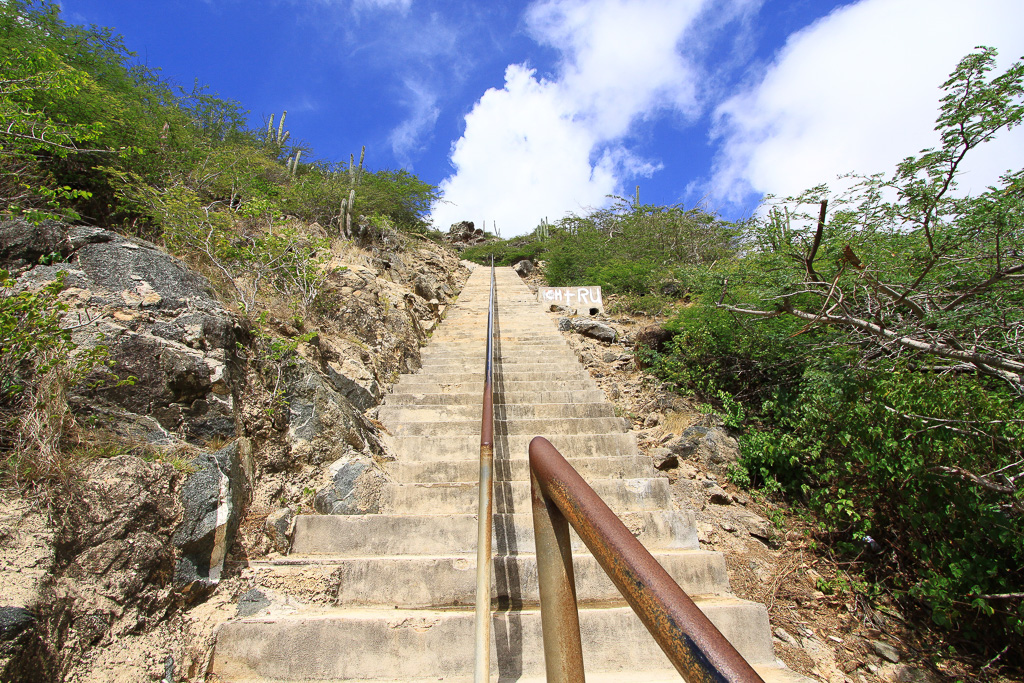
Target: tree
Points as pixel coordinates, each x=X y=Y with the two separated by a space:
x=907 y=267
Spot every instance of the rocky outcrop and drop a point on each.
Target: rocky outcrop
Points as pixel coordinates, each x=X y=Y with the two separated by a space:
x=465 y=234
x=252 y=419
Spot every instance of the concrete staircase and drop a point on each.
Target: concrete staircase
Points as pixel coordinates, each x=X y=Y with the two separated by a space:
x=402 y=583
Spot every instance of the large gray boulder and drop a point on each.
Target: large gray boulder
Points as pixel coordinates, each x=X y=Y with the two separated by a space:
x=523 y=268
x=112 y=267
x=322 y=426
x=595 y=330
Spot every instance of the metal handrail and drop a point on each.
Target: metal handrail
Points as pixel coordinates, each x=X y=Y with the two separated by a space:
x=560 y=496
x=482 y=657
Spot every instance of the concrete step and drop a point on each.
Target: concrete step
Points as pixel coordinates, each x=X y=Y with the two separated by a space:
x=546 y=361
x=525 y=426
x=426 y=581
x=616 y=467
x=393 y=644
x=390 y=415
x=455 y=534
x=474 y=376
x=626 y=495
x=771 y=673
x=508 y=398
x=503 y=350
x=466 y=447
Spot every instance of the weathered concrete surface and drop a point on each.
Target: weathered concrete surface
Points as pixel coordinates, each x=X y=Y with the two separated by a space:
x=361 y=574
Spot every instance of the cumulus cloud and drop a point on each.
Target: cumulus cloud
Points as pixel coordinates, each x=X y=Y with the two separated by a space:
x=541 y=146
x=858 y=90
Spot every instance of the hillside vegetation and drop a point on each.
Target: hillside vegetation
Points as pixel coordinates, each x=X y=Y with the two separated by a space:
x=90 y=136
x=871 y=346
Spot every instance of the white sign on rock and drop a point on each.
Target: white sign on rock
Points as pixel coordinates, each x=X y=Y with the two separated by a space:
x=587 y=300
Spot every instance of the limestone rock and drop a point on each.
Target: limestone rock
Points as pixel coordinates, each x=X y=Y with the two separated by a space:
x=904 y=673
x=784 y=636
x=355 y=383
x=321 y=424
x=113 y=551
x=427 y=287
x=712 y=445
x=464 y=234
x=279 y=528
x=718 y=496
x=591 y=328
x=885 y=650
x=350 y=491
x=664 y=459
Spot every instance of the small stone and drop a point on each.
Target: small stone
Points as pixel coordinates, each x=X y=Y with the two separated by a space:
x=729 y=526
x=664 y=459
x=783 y=635
x=907 y=674
x=279 y=526
x=653 y=420
x=251 y=602
x=14 y=620
x=609 y=357
x=687 y=470
x=718 y=496
x=885 y=650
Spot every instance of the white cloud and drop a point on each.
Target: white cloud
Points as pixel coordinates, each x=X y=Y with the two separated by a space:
x=400 y=5
x=408 y=137
x=858 y=91
x=540 y=147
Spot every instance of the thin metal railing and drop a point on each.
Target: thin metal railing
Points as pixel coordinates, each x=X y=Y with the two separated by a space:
x=482 y=657
x=561 y=497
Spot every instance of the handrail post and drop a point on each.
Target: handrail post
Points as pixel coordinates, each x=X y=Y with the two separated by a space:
x=696 y=648
x=482 y=658
x=559 y=614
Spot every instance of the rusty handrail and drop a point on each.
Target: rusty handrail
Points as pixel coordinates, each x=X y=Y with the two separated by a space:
x=561 y=497
x=482 y=656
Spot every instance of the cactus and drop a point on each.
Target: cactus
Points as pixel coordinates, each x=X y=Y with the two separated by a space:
x=280 y=136
x=354 y=176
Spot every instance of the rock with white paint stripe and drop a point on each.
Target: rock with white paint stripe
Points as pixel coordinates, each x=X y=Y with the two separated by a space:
x=212 y=498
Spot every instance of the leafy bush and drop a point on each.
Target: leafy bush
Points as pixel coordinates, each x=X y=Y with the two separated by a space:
x=878 y=357
x=38 y=362
x=507 y=252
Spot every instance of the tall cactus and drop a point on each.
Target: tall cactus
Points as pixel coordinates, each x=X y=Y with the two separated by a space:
x=354 y=176
x=280 y=136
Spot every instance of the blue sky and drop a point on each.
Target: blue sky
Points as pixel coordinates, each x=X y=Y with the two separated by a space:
x=526 y=110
